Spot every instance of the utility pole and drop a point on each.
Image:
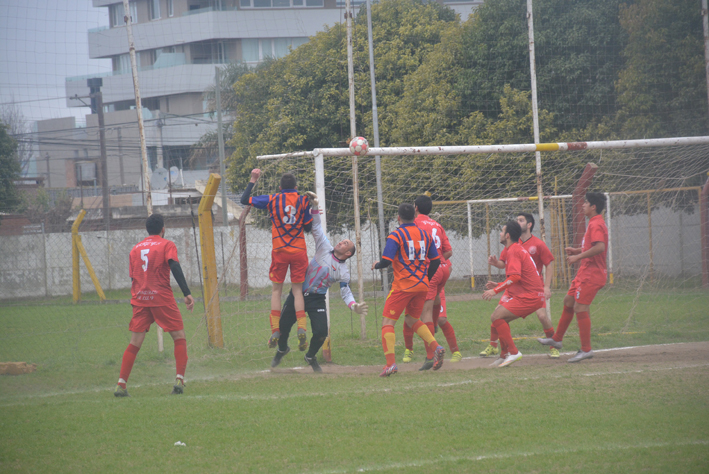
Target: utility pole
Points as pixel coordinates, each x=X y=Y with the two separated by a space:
x=95 y=84
x=120 y=156
x=49 y=173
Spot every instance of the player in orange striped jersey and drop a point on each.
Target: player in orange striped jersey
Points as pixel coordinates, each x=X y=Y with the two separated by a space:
x=290 y=216
x=413 y=254
x=433 y=313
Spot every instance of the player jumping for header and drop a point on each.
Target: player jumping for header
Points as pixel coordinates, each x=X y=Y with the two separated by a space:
x=290 y=216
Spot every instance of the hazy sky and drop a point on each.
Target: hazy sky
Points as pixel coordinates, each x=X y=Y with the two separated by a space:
x=41 y=43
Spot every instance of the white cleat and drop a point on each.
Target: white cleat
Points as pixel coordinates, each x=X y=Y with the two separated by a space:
x=581 y=355
x=547 y=341
x=511 y=359
x=497 y=362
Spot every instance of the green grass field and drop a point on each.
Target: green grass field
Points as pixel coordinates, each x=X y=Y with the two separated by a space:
x=236 y=416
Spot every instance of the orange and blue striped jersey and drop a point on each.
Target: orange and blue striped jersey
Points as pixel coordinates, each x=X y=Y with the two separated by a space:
x=410 y=249
x=289 y=212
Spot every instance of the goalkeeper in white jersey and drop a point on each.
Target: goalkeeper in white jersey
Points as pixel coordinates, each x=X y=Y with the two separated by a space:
x=326 y=268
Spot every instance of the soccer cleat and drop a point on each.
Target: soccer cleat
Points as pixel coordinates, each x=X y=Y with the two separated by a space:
x=273 y=340
x=497 y=362
x=554 y=353
x=456 y=357
x=581 y=355
x=313 y=362
x=511 y=359
x=428 y=363
x=389 y=370
x=302 y=339
x=120 y=392
x=490 y=350
x=547 y=341
x=438 y=357
x=408 y=356
x=179 y=387
x=279 y=355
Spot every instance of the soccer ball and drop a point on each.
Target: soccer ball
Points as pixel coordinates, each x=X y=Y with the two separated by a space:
x=359 y=146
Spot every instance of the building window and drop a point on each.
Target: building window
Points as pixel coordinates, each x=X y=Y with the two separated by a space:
x=116 y=14
x=281 y=3
x=154 y=9
x=170 y=8
x=256 y=50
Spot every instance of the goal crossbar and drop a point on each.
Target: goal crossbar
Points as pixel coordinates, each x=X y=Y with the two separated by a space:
x=520 y=148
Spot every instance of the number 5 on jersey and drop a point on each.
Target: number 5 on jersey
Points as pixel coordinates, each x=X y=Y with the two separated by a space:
x=144 y=258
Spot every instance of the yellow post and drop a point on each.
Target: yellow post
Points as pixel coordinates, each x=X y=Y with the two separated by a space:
x=209 y=262
x=75 y=275
x=90 y=268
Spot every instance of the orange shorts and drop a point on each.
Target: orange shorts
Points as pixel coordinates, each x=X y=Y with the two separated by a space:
x=280 y=261
x=438 y=282
x=168 y=317
x=398 y=301
x=523 y=306
x=584 y=291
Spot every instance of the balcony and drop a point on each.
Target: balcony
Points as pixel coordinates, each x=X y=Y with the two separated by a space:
x=209 y=25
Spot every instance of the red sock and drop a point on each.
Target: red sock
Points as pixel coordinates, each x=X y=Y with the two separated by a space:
x=493 y=336
x=181 y=356
x=450 y=336
x=567 y=315
x=388 y=341
x=503 y=329
x=408 y=337
x=275 y=320
x=127 y=363
x=549 y=333
x=429 y=351
x=584 y=321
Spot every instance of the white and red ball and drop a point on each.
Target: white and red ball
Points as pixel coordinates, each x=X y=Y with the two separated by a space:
x=359 y=146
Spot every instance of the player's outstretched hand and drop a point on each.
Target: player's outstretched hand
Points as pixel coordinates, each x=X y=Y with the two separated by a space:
x=490 y=285
x=492 y=260
x=360 y=308
x=487 y=296
x=255 y=175
x=313 y=200
x=189 y=302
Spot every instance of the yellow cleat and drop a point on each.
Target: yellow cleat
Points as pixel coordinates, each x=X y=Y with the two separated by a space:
x=490 y=350
x=554 y=353
x=456 y=357
x=408 y=356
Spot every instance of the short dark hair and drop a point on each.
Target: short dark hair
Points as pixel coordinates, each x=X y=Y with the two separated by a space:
x=529 y=218
x=154 y=224
x=598 y=200
x=354 y=249
x=513 y=228
x=288 y=181
x=424 y=204
x=407 y=212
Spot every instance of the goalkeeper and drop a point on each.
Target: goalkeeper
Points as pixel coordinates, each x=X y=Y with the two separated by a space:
x=326 y=268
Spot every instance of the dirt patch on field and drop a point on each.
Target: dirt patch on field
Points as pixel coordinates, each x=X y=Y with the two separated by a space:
x=625 y=358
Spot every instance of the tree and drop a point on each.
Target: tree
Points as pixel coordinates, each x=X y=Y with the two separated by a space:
x=9 y=171
x=662 y=89
x=19 y=129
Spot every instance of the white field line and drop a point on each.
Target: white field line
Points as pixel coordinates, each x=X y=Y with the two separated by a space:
x=401 y=466
x=395 y=389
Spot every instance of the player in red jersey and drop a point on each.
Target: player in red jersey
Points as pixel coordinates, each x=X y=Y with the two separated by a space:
x=151 y=262
x=415 y=259
x=543 y=258
x=590 y=278
x=524 y=293
x=290 y=216
x=432 y=307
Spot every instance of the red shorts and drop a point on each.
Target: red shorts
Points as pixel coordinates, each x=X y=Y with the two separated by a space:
x=398 y=301
x=280 y=261
x=440 y=278
x=523 y=306
x=168 y=317
x=583 y=291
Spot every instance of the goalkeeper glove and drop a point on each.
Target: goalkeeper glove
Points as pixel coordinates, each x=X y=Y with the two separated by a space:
x=313 y=200
x=360 y=308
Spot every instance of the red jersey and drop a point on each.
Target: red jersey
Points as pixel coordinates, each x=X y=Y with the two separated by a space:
x=150 y=272
x=437 y=234
x=410 y=249
x=519 y=262
x=289 y=212
x=594 y=269
x=539 y=251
